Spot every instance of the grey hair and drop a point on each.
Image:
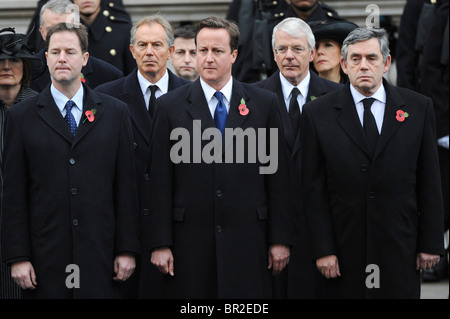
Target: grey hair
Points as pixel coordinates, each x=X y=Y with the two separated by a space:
x=295 y=27
x=156 y=18
x=59 y=7
x=363 y=34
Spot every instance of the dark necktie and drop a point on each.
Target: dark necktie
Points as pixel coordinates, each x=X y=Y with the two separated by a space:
x=70 y=120
x=369 y=124
x=294 y=111
x=152 y=102
x=220 y=114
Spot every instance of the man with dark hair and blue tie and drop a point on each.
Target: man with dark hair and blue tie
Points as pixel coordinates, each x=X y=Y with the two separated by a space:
x=70 y=218
x=219 y=229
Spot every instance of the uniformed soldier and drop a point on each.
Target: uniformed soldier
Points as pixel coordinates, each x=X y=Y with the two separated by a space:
x=256 y=20
x=109 y=34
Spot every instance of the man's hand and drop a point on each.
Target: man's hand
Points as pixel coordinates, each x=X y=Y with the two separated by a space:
x=162 y=258
x=124 y=265
x=23 y=274
x=329 y=266
x=278 y=258
x=426 y=261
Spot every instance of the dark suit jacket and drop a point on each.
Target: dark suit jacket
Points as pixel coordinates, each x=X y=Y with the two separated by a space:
x=372 y=210
x=69 y=200
x=218 y=218
x=95 y=72
x=302 y=279
x=127 y=89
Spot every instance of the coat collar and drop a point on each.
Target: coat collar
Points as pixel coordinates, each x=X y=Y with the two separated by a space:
x=50 y=113
x=350 y=123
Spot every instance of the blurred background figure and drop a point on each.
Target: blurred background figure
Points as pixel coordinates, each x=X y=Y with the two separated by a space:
x=110 y=8
x=94 y=73
x=256 y=20
x=434 y=83
x=329 y=36
x=15 y=73
x=184 y=58
x=109 y=36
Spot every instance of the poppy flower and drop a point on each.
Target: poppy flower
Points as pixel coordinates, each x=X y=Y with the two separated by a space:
x=401 y=115
x=90 y=115
x=243 y=109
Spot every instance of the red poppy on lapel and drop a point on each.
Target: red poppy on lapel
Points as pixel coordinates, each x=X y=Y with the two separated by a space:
x=243 y=109
x=401 y=115
x=82 y=78
x=90 y=115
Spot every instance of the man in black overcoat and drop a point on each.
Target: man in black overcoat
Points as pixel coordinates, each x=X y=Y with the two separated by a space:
x=134 y=90
x=220 y=216
x=301 y=280
x=70 y=216
x=370 y=173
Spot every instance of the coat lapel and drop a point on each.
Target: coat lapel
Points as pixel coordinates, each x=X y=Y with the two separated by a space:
x=50 y=114
x=91 y=101
x=316 y=89
x=136 y=104
x=390 y=125
x=349 y=120
x=198 y=106
x=274 y=84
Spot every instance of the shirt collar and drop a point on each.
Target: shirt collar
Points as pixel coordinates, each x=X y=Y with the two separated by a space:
x=287 y=86
x=163 y=83
x=379 y=95
x=209 y=91
x=61 y=100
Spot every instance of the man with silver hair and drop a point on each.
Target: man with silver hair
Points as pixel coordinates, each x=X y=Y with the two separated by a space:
x=372 y=192
x=151 y=45
x=293 y=47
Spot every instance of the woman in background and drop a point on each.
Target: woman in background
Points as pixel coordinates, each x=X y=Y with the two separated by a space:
x=15 y=72
x=329 y=36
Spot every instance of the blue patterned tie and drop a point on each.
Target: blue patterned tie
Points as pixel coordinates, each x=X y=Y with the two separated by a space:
x=70 y=120
x=220 y=114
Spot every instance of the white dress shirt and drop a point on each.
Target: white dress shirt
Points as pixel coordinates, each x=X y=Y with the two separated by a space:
x=212 y=100
x=61 y=100
x=163 y=86
x=377 y=107
x=287 y=87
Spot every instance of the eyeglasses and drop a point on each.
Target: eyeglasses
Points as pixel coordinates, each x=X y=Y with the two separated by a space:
x=296 y=50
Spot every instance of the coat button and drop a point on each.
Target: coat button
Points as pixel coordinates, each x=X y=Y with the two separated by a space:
x=219 y=228
x=75 y=222
x=72 y=161
x=73 y=191
x=372 y=195
x=146 y=177
x=145 y=211
x=219 y=193
x=364 y=167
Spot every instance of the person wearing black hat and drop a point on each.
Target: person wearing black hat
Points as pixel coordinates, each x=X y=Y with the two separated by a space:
x=15 y=73
x=329 y=36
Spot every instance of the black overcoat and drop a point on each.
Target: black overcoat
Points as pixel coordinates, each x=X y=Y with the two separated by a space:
x=374 y=212
x=69 y=200
x=218 y=218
